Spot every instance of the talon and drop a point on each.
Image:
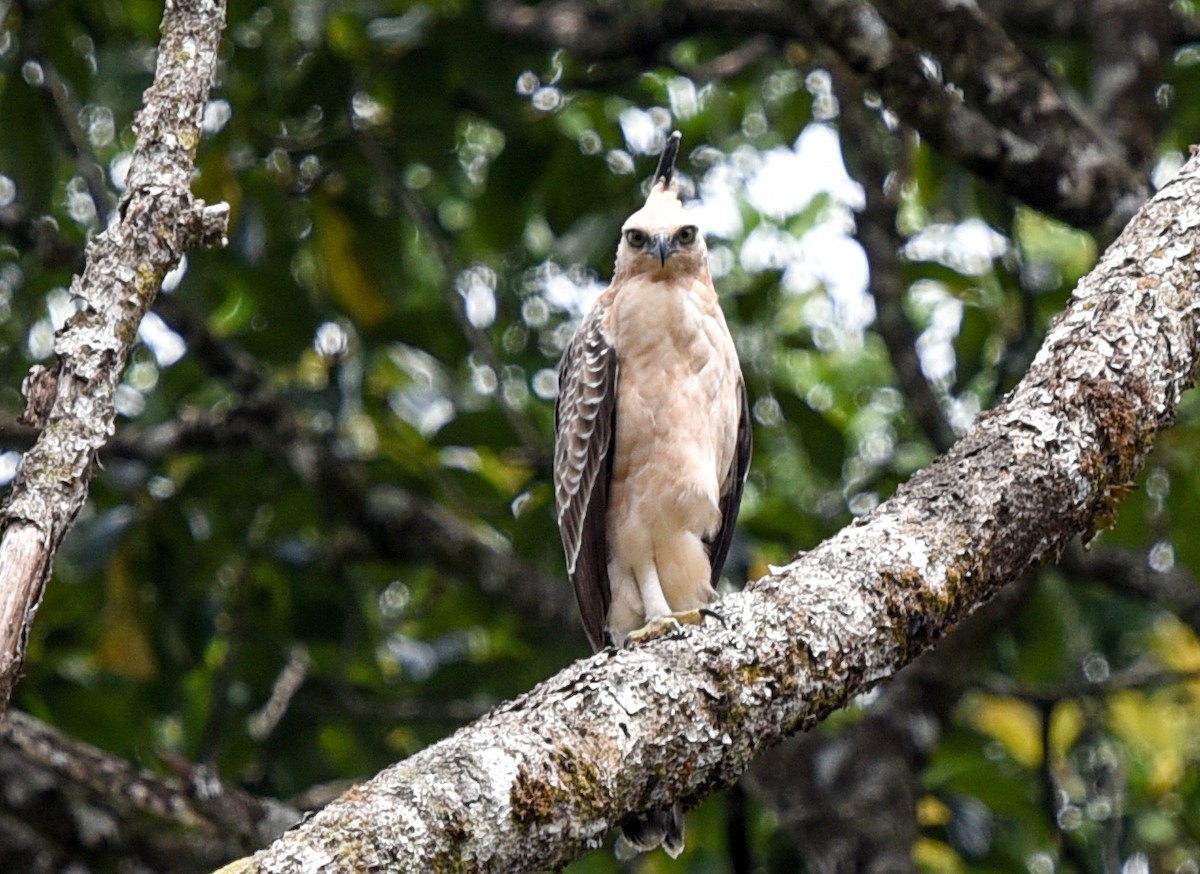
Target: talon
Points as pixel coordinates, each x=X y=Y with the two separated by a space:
x=652 y=630
x=671 y=624
x=713 y=614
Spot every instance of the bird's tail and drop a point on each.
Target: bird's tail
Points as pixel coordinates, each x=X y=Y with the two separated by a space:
x=642 y=832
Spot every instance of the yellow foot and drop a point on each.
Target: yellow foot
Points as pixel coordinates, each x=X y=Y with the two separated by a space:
x=670 y=624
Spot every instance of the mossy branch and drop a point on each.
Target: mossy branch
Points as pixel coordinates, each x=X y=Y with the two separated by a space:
x=541 y=779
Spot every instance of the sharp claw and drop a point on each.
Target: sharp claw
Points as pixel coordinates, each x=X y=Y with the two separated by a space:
x=671 y=625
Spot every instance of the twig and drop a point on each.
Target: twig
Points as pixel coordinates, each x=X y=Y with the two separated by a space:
x=1130 y=573
x=1140 y=675
x=66 y=115
x=263 y=721
x=1067 y=844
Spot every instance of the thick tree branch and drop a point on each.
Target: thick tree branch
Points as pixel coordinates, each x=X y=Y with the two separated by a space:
x=44 y=771
x=1014 y=95
x=158 y=220
x=1054 y=19
x=390 y=522
x=543 y=777
x=1042 y=155
x=849 y=798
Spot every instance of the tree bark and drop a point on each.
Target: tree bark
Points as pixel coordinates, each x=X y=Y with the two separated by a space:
x=158 y=220
x=542 y=778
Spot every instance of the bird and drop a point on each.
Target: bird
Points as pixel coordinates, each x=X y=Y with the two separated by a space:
x=653 y=445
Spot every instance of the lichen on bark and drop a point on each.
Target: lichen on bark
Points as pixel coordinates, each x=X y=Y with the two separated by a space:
x=677 y=717
x=157 y=221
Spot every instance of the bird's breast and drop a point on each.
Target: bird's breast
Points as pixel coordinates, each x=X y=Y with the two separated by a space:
x=677 y=399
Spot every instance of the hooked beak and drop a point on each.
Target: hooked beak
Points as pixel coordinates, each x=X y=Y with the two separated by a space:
x=664 y=246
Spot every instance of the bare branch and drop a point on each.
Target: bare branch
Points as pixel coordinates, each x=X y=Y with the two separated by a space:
x=1050 y=160
x=66 y=111
x=997 y=79
x=881 y=242
x=1129 y=39
x=1130 y=573
x=543 y=777
x=221 y=818
x=1045 y=159
x=433 y=237
x=158 y=220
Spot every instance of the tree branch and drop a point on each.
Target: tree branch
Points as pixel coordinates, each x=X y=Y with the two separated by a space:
x=543 y=777
x=1129 y=573
x=65 y=114
x=1129 y=39
x=158 y=219
x=1014 y=95
x=877 y=234
x=210 y=818
x=1044 y=158
x=1047 y=159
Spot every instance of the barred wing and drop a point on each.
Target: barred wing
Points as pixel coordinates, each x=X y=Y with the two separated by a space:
x=585 y=421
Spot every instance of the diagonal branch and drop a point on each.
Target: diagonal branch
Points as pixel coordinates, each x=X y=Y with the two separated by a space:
x=209 y=818
x=158 y=219
x=1050 y=160
x=1130 y=39
x=998 y=79
x=542 y=778
x=1009 y=126
x=877 y=234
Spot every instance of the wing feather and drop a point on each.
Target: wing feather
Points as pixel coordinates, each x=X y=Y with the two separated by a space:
x=585 y=422
x=731 y=490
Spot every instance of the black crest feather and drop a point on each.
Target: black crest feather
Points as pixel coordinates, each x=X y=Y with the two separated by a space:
x=666 y=164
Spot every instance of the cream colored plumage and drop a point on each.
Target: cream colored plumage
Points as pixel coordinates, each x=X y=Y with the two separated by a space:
x=653 y=440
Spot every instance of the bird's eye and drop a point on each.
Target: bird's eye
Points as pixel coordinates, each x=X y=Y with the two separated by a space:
x=686 y=235
x=636 y=238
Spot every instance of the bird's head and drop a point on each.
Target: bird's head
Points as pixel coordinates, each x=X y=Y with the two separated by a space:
x=662 y=237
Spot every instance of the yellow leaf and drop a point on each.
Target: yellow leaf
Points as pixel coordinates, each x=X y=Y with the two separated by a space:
x=1156 y=728
x=931 y=811
x=346 y=274
x=124 y=647
x=1015 y=724
x=1176 y=645
x=1066 y=724
x=937 y=857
